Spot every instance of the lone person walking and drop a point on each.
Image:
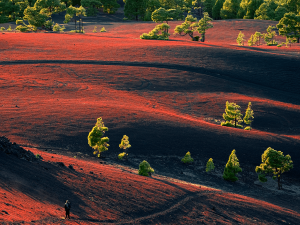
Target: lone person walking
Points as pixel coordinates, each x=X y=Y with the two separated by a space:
x=67 y=208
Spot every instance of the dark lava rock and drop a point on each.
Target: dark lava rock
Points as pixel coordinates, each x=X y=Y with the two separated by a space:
x=14 y=149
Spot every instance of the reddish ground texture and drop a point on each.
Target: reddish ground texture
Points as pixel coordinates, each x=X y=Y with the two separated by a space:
x=167 y=96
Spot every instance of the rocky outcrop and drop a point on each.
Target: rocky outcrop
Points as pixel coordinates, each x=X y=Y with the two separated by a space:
x=14 y=149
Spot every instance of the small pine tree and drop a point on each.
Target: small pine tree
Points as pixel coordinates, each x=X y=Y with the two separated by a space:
x=240 y=39
x=269 y=36
x=124 y=145
x=248 y=116
x=9 y=28
x=122 y=155
x=232 y=168
x=95 y=139
x=258 y=36
x=273 y=162
x=145 y=169
x=232 y=115
x=251 y=40
x=210 y=165
x=103 y=30
x=187 y=158
x=95 y=29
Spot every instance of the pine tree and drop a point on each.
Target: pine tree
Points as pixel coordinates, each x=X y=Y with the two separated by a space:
x=71 y=12
x=187 y=158
x=124 y=145
x=273 y=162
x=216 y=9
x=203 y=25
x=92 y=6
x=248 y=116
x=266 y=11
x=289 y=26
x=230 y=9
x=154 y=34
x=95 y=139
x=269 y=36
x=232 y=168
x=145 y=169
x=210 y=165
x=232 y=115
x=135 y=9
x=240 y=39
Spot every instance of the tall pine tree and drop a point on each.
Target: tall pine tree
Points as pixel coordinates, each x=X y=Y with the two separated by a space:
x=232 y=115
x=248 y=116
x=135 y=9
x=232 y=168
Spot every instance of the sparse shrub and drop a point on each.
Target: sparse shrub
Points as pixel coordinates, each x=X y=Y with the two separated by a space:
x=279 y=45
x=187 y=158
x=2 y=28
x=145 y=169
x=248 y=116
x=154 y=34
x=273 y=162
x=232 y=115
x=125 y=18
x=95 y=29
x=210 y=165
x=240 y=39
x=37 y=156
x=232 y=168
x=75 y=156
x=103 y=30
x=9 y=28
x=56 y=27
x=247 y=128
x=122 y=155
x=95 y=139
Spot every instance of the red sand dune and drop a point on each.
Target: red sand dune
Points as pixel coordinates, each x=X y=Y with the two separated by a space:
x=159 y=93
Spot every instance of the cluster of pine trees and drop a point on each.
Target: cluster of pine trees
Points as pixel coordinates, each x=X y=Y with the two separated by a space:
x=273 y=162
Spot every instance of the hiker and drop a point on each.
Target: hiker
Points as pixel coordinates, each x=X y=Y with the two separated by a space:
x=67 y=208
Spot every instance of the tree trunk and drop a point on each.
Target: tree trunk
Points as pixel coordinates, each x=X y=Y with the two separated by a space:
x=75 y=24
x=202 y=37
x=298 y=40
x=235 y=122
x=279 y=184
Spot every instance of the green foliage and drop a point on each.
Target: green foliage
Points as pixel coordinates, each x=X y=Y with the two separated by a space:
x=188 y=27
x=161 y=15
x=135 y=9
x=124 y=143
x=2 y=28
x=95 y=29
x=110 y=6
x=240 y=39
x=37 y=156
x=230 y=9
x=266 y=10
x=232 y=168
x=289 y=26
x=247 y=8
x=293 y=6
x=279 y=45
x=9 y=28
x=216 y=9
x=92 y=6
x=269 y=36
x=154 y=34
x=248 y=116
x=273 y=163
x=145 y=169
x=208 y=6
x=210 y=165
x=71 y=12
x=187 y=158
x=248 y=128
x=103 y=29
x=56 y=27
x=252 y=40
x=257 y=38
x=35 y=17
x=203 y=25
x=232 y=114
x=24 y=27
x=95 y=139
x=122 y=155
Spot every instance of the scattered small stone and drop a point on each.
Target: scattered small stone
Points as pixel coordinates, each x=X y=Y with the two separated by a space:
x=71 y=167
x=81 y=169
x=91 y=172
x=5 y=212
x=60 y=164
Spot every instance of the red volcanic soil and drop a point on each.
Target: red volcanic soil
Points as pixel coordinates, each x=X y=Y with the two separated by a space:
x=168 y=97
